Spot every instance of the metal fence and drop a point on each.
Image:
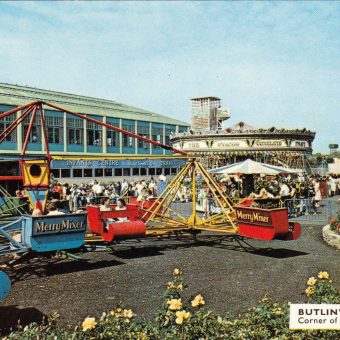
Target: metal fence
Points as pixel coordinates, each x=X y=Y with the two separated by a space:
x=322 y=171
x=311 y=210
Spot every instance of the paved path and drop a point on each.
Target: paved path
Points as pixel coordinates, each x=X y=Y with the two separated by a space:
x=231 y=278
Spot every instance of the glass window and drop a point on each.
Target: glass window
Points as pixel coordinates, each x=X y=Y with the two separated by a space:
x=182 y=128
x=4 y=124
x=126 y=172
x=157 y=135
x=144 y=131
x=75 y=131
x=107 y=172
x=128 y=141
x=88 y=173
x=173 y=171
x=98 y=172
x=94 y=134
x=159 y=171
x=112 y=138
x=152 y=171
x=169 y=131
x=143 y=171
x=54 y=126
x=77 y=172
x=167 y=171
x=119 y=172
x=65 y=173
x=35 y=134
x=55 y=173
x=135 y=171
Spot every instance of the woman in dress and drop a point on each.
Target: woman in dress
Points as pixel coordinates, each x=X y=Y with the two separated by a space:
x=317 y=197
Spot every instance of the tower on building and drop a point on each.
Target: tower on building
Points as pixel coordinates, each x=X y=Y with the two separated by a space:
x=207 y=114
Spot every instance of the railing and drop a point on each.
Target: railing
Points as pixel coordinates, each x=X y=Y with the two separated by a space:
x=322 y=171
x=311 y=210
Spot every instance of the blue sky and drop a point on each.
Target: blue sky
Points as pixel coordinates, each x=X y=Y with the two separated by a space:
x=272 y=63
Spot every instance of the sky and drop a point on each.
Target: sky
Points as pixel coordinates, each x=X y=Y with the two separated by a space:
x=271 y=63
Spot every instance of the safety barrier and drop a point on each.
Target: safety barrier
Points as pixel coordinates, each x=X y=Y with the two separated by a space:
x=311 y=210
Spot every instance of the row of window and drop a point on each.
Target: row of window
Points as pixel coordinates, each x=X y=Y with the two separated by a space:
x=75 y=132
x=109 y=172
x=4 y=124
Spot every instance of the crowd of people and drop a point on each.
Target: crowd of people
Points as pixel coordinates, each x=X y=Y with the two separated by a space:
x=75 y=197
x=300 y=193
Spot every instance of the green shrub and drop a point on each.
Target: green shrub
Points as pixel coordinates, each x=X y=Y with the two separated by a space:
x=179 y=320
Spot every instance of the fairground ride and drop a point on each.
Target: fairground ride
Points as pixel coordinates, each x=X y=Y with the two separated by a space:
x=159 y=216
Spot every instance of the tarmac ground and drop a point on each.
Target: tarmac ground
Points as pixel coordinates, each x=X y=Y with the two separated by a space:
x=230 y=274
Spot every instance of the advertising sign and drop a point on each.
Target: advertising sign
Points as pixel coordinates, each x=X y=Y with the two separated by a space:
x=254 y=216
x=58 y=224
x=119 y=163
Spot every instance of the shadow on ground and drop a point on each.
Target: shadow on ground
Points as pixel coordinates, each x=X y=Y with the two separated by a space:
x=45 y=268
x=10 y=314
x=49 y=266
x=228 y=242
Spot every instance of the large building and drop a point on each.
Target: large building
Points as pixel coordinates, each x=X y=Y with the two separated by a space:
x=219 y=145
x=82 y=149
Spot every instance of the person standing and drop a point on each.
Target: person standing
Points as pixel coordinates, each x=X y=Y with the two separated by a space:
x=98 y=190
x=124 y=187
x=317 y=197
x=333 y=183
x=153 y=187
x=74 y=195
x=162 y=183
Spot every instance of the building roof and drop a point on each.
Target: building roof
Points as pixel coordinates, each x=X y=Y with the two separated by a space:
x=243 y=126
x=17 y=95
x=206 y=97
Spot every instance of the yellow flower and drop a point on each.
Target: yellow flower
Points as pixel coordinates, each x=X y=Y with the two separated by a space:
x=309 y=291
x=198 y=300
x=311 y=281
x=179 y=321
x=171 y=285
x=89 y=323
x=181 y=316
x=277 y=311
x=176 y=272
x=174 y=304
x=323 y=275
x=128 y=313
x=104 y=315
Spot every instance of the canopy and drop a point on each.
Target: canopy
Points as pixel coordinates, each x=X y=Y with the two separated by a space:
x=251 y=167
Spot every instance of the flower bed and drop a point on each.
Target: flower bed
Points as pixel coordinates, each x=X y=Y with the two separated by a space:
x=331 y=236
x=334 y=223
x=186 y=320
